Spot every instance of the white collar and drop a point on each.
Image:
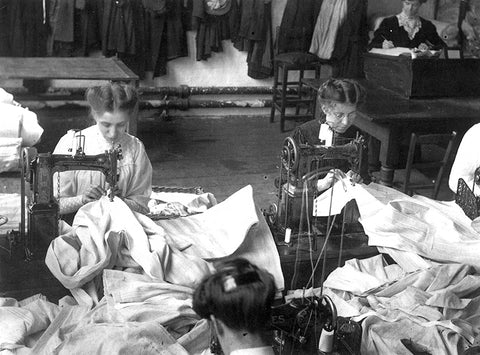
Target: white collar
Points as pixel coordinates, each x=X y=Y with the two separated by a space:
x=410 y=25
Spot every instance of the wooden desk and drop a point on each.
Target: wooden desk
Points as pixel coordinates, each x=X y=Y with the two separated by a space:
x=75 y=68
x=391 y=118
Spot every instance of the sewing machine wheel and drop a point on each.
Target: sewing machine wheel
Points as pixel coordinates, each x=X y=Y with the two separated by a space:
x=290 y=156
x=271 y=214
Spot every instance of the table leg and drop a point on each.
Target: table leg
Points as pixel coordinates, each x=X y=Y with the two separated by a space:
x=386 y=175
x=389 y=154
x=389 y=138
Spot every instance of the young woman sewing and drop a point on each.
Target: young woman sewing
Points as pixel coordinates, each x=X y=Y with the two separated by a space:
x=111 y=106
x=337 y=103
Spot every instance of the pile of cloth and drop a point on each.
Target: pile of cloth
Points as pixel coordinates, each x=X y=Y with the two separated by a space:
x=132 y=279
x=18 y=128
x=429 y=300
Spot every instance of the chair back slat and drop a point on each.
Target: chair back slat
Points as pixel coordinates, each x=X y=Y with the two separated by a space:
x=446 y=141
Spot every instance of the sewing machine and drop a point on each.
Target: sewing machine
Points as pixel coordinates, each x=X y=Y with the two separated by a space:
x=308 y=324
x=300 y=168
x=38 y=171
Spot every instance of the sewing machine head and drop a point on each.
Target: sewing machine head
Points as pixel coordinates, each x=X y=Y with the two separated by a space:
x=43 y=207
x=297 y=160
x=301 y=166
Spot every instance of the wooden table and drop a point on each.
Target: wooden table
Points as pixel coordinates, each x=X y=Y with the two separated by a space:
x=66 y=68
x=391 y=118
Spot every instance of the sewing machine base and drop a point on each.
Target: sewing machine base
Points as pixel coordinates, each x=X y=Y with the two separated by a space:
x=355 y=245
x=299 y=324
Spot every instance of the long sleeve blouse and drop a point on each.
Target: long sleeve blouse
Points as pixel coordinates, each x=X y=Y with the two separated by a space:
x=134 y=169
x=391 y=30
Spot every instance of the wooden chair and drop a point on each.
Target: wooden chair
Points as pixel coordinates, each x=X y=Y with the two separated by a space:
x=436 y=142
x=288 y=92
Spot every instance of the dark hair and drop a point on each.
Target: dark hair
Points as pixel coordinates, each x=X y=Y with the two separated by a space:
x=341 y=91
x=238 y=293
x=420 y=1
x=112 y=97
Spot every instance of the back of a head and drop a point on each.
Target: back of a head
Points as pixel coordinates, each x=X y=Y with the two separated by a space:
x=343 y=91
x=112 y=97
x=239 y=294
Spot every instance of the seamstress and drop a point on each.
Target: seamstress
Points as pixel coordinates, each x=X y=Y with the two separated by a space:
x=407 y=29
x=237 y=299
x=467 y=160
x=111 y=106
x=337 y=104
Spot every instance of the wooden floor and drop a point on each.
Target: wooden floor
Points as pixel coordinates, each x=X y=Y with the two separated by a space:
x=221 y=155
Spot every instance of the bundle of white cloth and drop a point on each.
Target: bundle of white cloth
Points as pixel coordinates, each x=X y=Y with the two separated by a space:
x=18 y=128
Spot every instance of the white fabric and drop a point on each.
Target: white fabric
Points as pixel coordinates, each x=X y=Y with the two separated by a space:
x=135 y=311
x=19 y=122
x=264 y=350
x=466 y=160
x=331 y=16
x=436 y=308
x=332 y=200
x=10 y=154
x=20 y=319
x=108 y=234
x=10 y=208
x=6 y=97
x=433 y=229
x=179 y=204
x=135 y=169
x=223 y=232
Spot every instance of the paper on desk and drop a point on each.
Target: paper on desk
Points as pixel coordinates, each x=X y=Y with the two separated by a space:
x=396 y=51
x=342 y=193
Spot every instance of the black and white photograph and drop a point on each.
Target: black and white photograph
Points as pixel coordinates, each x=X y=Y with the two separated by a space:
x=240 y=177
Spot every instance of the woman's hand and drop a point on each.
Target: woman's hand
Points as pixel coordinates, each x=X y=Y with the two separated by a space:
x=92 y=193
x=423 y=47
x=386 y=44
x=328 y=180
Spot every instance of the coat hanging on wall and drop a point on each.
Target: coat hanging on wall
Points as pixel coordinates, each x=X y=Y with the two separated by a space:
x=255 y=37
x=123 y=33
x=28 y=27
x=165 y=34
x=298 y=22
x=351 y=42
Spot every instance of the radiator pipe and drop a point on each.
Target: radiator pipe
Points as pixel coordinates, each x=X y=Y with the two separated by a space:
x=182 y=91
x=179 y=104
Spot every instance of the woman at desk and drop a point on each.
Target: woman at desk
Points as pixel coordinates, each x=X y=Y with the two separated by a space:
x=111 y=106
x=407 y=29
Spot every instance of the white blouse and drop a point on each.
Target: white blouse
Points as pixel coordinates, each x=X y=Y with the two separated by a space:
x=134 y=169
x=467 y=160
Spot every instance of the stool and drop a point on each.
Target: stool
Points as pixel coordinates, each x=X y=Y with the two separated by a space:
x=282 y=98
